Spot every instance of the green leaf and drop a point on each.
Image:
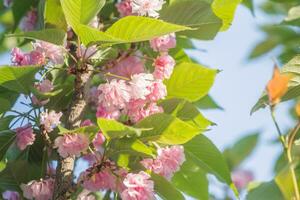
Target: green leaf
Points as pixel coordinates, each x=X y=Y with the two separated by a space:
x=55 y=36
x=18 y=79
x=131 y=146
x=225 y=10
x=195 y=14
x=81 y=11
x=5 y=122
x=284 y=181
x=236 y=154
x=113 y=129
x=207 y=102
x=129 y=29
x=8 y=99
x=167 y=129
x=293 y=17
x=191 y=180
x=265 y=191
x=185 y=111
x=206 y=155
x=6 y=139
x=5 y=105
x=194 y=85
x=165 y=189
x=54 y=16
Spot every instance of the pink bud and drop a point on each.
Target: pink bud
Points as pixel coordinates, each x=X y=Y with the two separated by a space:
x=25 y=136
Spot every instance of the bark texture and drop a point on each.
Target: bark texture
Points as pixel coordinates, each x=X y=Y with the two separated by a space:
x=64 y=172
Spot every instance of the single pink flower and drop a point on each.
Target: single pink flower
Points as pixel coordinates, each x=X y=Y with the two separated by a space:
x=140 y=85
x=98 y=141
x=158 y=91
x=241 y=178
x=39 y=190
x=50 y=120
x=138 y=114
x=92 y=158
x=29 y=21
x=24 y=136
x=71 y=144
x=18 y=58
x=124 y=8
x=11 y=195
x=51 y=51
x=167 y=162
x=128 y=66
x=164 y=66
x=43 y=87
x=102 y=112
x=114 y=94
x=37 y=58
x=138 y=187
x=147 y=7
x=163 y=43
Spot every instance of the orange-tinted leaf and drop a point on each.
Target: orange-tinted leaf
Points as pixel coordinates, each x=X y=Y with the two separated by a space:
x=297 y=109
x=277 y=86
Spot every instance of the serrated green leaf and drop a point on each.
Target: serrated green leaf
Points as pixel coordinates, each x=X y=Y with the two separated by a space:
x=265 y=191
x=195 y=83
x=55 y=36
x=18 y=79
x=54 y=16
x=167 y=129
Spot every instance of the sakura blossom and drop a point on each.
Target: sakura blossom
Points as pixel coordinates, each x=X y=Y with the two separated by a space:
x=29 y=21
x=18 y=58
x=163 y=43
x=102 y=112
x=241 y=178
x=138 y=113
x=11 y=195
x=71 y=144
x=114 y=94
x=158 y=91
x=167 y=162
x=164 y=66
x=43 y=87
x=124 y=8
x=128 y=66
x=24 y=136
x=50 y=120
x=147 y=7
x=98 y=140
x=39 y=190
x=54 y=53
x=138 y=187
x=140 y=84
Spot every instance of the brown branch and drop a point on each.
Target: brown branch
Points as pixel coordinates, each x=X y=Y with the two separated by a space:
x=64 y=171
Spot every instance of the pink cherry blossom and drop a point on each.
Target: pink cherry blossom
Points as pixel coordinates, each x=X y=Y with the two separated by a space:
x=95 y=22
x=37 y=58
x=114 y=94
x=50 y=120
x=140 y=85
x=51 y=51
x=71 y=144
x=43 y=87
x=163 y=43
x=102 y=112
x=138 y=187
x=29 y=21
x=87 y=122
x=24 y=136
x=98 y=140
x=138 y=114
x=164 y=66
x=39 y=190
x=124 y=8
x=128 y=66
x=147 y=7
x=158 y=91
x=103 y=180
x=92 y=158
x=11 y=195
x=18 y=58
x=7 y=3
x=241 y=178
x=167 y=162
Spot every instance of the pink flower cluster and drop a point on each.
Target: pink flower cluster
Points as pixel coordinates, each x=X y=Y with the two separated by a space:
x=241 y=178
x=71 y=144
x=167 y=162
x=41 y=52
x=138 y=187
x=11 y=195
x=43 y=87
x=29 y=21
x=39 y=190
x=50 y=120
x=163 y=43
x=140 y=7
x=24 y=136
